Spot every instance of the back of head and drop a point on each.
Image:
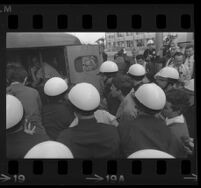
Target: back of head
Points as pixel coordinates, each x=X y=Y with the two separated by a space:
x=150 y=98
x=16 y=73
x=150 y=153
x=122 y=83
x=14 y=111
x=178 y=99
x=108 y=67
x=55 y=86
x=85 y=97
x=48 y=150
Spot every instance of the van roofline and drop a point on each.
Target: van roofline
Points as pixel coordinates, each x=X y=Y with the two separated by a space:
x=31 y=40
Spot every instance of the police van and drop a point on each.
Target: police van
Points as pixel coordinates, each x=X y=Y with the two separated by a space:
x=64 y=52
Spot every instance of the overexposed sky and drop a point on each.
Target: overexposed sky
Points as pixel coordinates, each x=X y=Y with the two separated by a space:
x=88 y=37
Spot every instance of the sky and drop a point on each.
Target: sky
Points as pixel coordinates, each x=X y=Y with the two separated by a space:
x=88 y=37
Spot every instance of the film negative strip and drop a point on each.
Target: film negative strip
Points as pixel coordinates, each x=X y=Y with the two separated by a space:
x=49 y=30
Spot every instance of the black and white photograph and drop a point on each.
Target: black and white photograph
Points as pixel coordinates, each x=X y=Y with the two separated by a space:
x=100 y=95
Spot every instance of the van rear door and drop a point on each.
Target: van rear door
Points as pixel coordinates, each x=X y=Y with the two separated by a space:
x=84 y=62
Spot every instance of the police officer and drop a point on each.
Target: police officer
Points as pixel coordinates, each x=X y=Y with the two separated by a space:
x=127 y=108
x=57 y=114
x=89 y=139
x=49 y=150
x=108 y=70
x=147 y=131
x=20 y=133
x=167 y=78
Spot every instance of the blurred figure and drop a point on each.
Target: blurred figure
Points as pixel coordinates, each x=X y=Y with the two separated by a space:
x=171 y=52
x=89 y=139
x=189 y=61
x=150 y=52
x=122 y=61
x=167 y=78
x=147 y=131
x=57 y=114
x=49 y=150
x=20 y=133
x=29 y=97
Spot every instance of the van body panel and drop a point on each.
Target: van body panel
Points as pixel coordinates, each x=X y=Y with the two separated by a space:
x=84 y=63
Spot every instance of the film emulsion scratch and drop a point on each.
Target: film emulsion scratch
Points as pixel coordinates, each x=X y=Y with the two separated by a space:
x=98 y=97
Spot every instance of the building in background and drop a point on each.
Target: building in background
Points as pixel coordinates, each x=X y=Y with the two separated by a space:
x=129 y=40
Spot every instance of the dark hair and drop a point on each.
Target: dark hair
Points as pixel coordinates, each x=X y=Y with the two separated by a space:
x=137 y=78
x=16 y=73
x=178 y=99
x=189 y=46
x=140 y=57
x=178 y=54
x=123 y=83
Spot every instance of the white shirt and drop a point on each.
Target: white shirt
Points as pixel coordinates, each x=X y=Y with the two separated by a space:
x=189 y=62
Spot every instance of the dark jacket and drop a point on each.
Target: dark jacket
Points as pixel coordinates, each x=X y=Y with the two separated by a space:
x=90 y=139
x=148 y=132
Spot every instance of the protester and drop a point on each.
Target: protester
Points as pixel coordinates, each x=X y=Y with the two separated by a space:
x=29 y=97
x=176 y=105
x=20 y=133
x=147 y=131
x=57 y=114
x=150 y=52
x=89 y=139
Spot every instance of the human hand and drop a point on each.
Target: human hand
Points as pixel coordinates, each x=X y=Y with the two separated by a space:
x=28 y=128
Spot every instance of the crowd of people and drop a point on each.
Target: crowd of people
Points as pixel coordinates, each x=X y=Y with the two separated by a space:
x=144 y=109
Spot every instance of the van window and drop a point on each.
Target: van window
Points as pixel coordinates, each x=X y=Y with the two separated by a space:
x=86 y=63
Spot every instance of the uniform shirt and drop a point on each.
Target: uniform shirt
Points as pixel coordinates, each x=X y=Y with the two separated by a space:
x=56 y=117
x=19 y=143
x=31 y=102
x=90 y=139
x=148 y=132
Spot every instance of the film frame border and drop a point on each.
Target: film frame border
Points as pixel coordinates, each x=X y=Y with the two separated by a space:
x=59 y=19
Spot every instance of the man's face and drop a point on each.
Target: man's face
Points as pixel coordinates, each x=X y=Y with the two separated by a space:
x=168 y=111
x=179 y=60
x=150 y=46
x=140 y=61
x=114 y=91
x=189 y=52
x=172 y=51
x=36 y=62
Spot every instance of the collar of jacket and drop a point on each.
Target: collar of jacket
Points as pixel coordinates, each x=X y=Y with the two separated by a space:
x=177 y=119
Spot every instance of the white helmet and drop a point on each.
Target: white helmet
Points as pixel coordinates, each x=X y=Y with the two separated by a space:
x=49 y=149
x=136 y=70
x=150 y=42
x=55 y=86
x=190 y=85
x=168 y=72
x=14 y=111
x=149 y=153
x=151 y=96
x=108 y=67
x=84 y=96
